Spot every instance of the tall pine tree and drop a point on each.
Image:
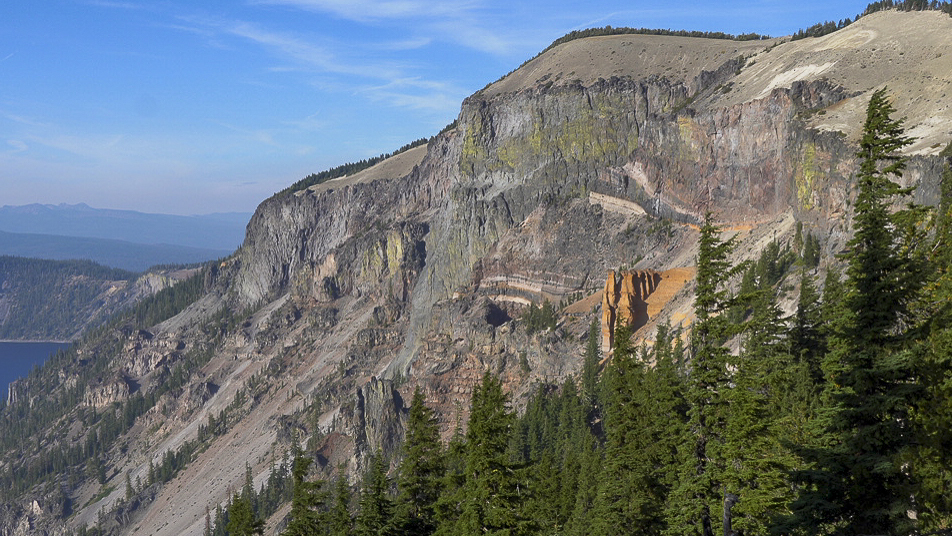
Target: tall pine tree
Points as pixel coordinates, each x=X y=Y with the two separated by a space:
x=492 y=494
x=307 y=498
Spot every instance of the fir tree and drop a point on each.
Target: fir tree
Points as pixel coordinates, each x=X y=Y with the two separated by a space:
x=859 y=485
x=758 y=463
x=421 y=471
x=933 y=461
x=448 y=506
x=376 y=508
x=339 y=520
x=627 y=494
x=307 y=498
x=241 y=517
x=591 y=362
x=807 y=343
x=492 y=495
x=698 y=493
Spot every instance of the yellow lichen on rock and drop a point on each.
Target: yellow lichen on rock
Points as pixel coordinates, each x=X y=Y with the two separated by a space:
x=805 y=176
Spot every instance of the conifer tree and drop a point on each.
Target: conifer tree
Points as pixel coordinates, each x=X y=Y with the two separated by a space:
x=807 y=343
x=859 y=485
x=627 y=495
x=492 y=494
x=590 y=363
x=307 y=498
x=763 y=379
x=241 y=517
x=374 y=517
x=697 y=497
x=220 y=521
x=421 y=470
x=933 y=461
x=448 y=506
x=339 y=520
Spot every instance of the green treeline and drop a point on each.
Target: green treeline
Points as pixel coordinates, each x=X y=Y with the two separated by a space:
x=609 y=30
x=823 y=28
x=834 y=420
x=349 y=168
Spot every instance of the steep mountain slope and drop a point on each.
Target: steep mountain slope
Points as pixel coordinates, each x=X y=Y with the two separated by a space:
x=600 y=154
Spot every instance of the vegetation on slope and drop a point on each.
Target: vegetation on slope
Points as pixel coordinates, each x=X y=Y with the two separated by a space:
x=349 y=168
x=823 y=28
x=53 y=300
x=55 y=397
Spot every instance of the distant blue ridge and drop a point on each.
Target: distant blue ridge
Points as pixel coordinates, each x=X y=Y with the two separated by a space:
x=123 y=239
x=112 y=253
x=221 y=231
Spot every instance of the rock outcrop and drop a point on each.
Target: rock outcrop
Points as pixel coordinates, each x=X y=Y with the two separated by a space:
x=624 y=303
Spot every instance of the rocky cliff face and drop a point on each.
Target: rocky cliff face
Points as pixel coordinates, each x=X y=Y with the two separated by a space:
x=348 y=295
x=624 y=303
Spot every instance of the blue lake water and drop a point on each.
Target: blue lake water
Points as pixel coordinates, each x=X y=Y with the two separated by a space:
x=17 y=359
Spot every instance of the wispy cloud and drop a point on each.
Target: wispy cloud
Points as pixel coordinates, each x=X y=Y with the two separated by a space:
x=463 y=23
x=18 y=146
x=370 y=10
x=474 y=35
x=115 y=5
x=23 y=120
x=288 y=46
x=418 y=94
x=264 y=136
x=312 y=122
x=88 y=148
x=407 y=44
x=305 y=54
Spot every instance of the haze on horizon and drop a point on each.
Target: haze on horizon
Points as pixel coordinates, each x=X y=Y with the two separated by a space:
x=184 y=108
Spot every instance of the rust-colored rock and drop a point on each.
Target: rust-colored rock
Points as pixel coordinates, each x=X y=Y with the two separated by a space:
x=625 y=300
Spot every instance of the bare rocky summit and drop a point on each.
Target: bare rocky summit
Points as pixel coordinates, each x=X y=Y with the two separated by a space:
x=600 y=155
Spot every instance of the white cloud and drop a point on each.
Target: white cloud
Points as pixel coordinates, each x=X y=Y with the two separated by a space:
x=310 y=123
x=407 y=44
x=463 y=23
x=291 y=47
x=16 y=118
x=264 y=136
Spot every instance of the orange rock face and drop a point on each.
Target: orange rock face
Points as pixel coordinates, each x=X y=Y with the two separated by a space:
x=625 y=301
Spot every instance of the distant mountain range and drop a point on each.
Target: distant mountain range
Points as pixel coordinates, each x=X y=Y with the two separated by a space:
x=119 y=238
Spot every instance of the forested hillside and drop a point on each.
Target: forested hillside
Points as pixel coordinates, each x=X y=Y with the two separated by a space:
x=55 y=300
x=59 y=300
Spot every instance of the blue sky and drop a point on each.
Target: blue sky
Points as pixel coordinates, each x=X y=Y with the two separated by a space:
x=212 y=106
